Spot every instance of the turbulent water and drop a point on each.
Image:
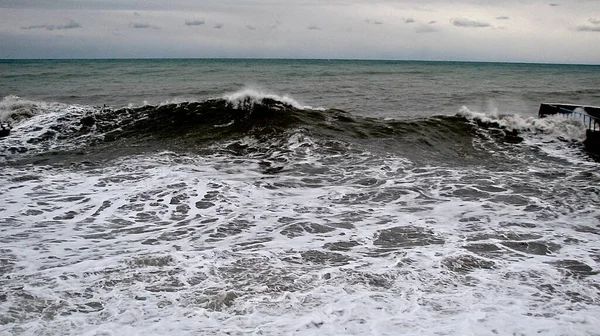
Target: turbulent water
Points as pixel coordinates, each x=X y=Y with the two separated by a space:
x=211 y=197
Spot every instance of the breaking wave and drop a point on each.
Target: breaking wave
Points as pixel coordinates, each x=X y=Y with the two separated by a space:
x=556 y=126
x=268 y=119
x=14 y=109
x=246 y=96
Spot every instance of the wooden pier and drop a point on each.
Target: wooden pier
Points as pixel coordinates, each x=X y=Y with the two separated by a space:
x=589 y=115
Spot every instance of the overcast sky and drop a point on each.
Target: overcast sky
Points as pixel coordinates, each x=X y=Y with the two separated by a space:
x=555 y=31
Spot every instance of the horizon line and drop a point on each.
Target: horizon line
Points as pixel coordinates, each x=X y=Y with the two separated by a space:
x=294 y=59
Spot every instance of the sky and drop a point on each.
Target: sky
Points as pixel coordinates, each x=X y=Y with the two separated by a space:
x=554 y=31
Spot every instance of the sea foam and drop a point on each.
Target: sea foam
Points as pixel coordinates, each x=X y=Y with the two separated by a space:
x=557 y=126
x=14 y=108
x=191 y=245
x=256 y=96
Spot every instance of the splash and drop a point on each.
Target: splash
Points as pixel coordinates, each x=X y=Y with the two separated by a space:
x=13 y=108
x=254 y=96
x=556 y=126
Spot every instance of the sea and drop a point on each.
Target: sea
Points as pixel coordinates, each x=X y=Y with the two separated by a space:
x=296 y=197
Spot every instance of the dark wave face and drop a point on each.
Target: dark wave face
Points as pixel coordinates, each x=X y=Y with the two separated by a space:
x=74 y=133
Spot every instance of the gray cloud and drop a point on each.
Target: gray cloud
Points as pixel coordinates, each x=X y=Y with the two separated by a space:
x=554 y=4
x=116 y=31
x=140 y=25
x=588 y=28
x=194 y=22
x=276 y=25
x=426 y=29
x=593 y=27
x=78 y=5
x=289 y=28
x=464 y=22
x=249 y=27
x=375 y=22
x=69 y=25
x=408 y=20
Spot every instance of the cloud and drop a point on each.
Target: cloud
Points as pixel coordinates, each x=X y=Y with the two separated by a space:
x=249 y=27
x=594 y=21
x=69 y=25
x=194 y=22
x=375 y=22
x=426 y=29
x=534 y=30
x=593 y=27
x=408 y=20
x=276 y=25
x=464 y=22
x=116 y=31
x=554 y=4
x=140 y=25
x=588 y=28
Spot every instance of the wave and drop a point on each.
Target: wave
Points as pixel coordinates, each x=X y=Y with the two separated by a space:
x=14 y=109
x=270 y=119
x=548 y=128
x=252 y=96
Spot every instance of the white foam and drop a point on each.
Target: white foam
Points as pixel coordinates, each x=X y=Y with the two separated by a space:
x=256 y=96
x=87 y=246
x=556 y=126
x=35 y=120
x=14 y=109
x=558 y=136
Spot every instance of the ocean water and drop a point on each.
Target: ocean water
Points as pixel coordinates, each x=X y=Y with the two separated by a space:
x=296 y=197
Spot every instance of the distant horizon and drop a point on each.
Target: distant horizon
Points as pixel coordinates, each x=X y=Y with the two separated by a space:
x=294 y=59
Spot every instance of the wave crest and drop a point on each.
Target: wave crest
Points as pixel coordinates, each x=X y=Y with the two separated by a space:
x=269 y=119
x=14 y=108
x=556 y=126
x=249 y=97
